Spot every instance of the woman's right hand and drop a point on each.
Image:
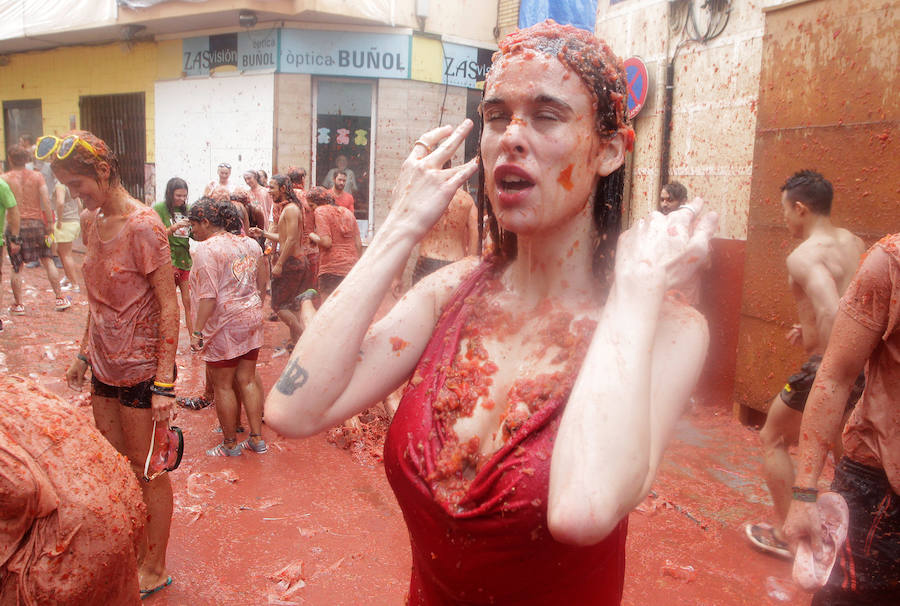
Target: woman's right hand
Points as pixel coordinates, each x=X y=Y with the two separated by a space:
x=75 y=374
x=424 y=188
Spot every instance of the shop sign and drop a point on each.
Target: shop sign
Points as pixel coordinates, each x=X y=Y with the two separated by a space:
x=344 y=54
x=465 y=65
x=253 y=50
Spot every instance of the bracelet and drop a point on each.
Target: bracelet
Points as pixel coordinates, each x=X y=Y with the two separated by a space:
x=198 y=333
x=164 y=385
x=83 y=358
x=169 y=393
x=807 y=495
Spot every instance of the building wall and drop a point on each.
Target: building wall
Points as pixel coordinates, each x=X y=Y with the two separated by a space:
x=201 y=122
x=293 y=122
x=406 y=109
x=714 y=106
x=60 y=76
x=827 y=101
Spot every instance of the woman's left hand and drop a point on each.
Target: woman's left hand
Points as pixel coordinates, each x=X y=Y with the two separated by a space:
x=667 y=250
x=162 y=407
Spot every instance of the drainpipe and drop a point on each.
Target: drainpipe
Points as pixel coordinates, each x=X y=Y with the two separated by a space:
x=665 y=142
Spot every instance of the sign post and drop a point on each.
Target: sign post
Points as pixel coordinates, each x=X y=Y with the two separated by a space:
x=638 y=85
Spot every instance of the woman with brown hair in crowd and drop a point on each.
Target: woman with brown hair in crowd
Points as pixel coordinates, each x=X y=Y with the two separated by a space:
x=132 y=326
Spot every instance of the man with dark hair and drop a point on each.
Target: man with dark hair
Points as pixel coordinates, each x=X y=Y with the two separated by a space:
x=866 y=334
x=819 y=270
x=289 y=272
x=33 y=200
x=341 y=196
x=672 y=196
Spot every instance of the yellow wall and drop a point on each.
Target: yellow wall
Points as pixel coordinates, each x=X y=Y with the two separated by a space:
x=60 y=76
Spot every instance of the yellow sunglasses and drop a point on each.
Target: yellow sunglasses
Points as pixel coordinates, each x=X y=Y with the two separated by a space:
x=48 y=144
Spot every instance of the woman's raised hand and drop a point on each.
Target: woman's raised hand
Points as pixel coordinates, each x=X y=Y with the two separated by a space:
x=667 y=250
x=424 y=188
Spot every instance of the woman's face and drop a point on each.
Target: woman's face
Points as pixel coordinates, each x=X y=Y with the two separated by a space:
x=180 y=196
x=86 y=188
x=200 y=230
x=539 y=147
x=250 y=179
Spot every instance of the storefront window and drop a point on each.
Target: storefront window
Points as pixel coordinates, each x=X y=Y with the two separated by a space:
x=343 y=140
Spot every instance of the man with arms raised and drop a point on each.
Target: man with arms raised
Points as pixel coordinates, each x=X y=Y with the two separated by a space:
x=819 y=269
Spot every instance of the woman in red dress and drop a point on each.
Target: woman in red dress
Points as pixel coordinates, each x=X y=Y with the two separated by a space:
x=543 y=381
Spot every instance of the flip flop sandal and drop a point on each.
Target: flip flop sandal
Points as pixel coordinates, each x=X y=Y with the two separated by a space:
x=762 y=536
x=811 y=569
x=260 y=446
x=146 y=593
x=198 y=403
x=223 y=451
x=166 y=450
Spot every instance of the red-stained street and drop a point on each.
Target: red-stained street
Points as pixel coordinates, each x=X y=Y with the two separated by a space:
x=323 y=520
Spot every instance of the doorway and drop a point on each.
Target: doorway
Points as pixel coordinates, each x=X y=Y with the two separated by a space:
x=120 y=121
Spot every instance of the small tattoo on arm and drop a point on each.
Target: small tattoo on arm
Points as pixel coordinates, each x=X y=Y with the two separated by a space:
x=293 y=377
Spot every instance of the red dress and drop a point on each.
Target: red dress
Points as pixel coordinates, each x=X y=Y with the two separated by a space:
x=492 y=546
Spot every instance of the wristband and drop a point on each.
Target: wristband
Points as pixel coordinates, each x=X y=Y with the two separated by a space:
x=169 y=393
x=198 y=333
x=83 y=358
x=807 y=495
x=164 y=385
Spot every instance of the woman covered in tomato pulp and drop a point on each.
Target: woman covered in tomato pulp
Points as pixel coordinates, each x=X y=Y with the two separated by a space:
x=543 y=382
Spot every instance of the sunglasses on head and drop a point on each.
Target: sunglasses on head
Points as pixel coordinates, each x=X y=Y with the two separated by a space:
x=48 y=144
x=225 y=165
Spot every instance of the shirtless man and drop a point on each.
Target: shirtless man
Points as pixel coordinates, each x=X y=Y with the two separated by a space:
x=820 y=269
x=290 y=271
x=453 y=237
x=224 y=173
x=33 y=200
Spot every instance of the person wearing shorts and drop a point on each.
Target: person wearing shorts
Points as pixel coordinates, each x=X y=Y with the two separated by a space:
x=66 y=230
x=866 y=335
x=132 y=326
x=9 y=234
x=33 y=201
x=228 y=275
x=289 y=272
x=172 y=212
x=796 y=390
x=337 y=236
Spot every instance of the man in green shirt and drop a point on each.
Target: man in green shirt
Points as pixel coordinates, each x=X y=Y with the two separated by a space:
x=9 y=236
x=173 y=213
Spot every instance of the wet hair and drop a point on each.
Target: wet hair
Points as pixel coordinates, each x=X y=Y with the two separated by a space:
x=340 y=171
x=17 y=155
x=234 y=219
x=297 y=175
x=220 y=194
x=173 y=184
x=27 y=139
x=812 y=189
x=262 y=176
x=207 y=209
x=83 y=162
x=284 y=184
x=603 y=74
x=320 y=196
x=676 y=191
x=240 y=195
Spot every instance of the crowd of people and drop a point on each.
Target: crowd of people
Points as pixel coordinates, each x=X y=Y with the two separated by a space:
x=543 y=377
